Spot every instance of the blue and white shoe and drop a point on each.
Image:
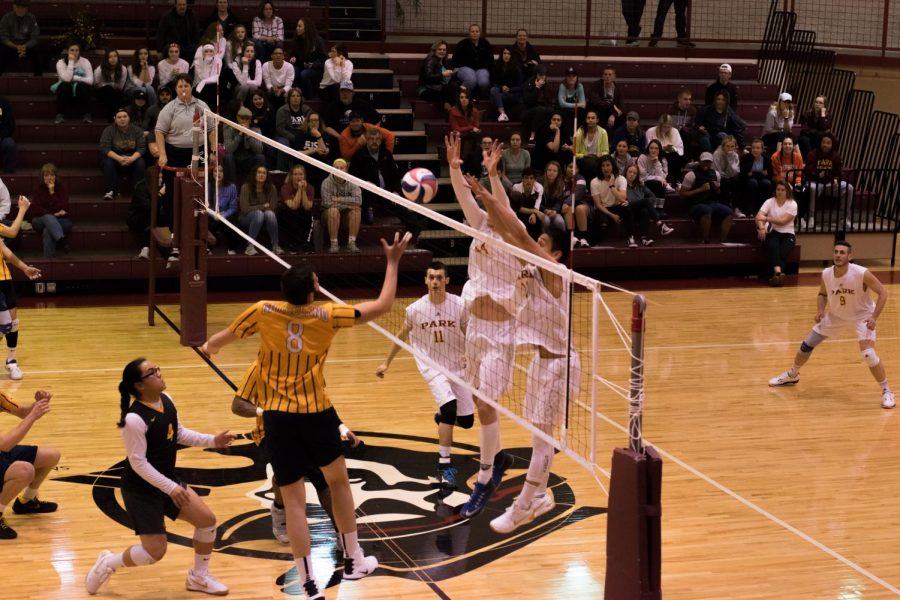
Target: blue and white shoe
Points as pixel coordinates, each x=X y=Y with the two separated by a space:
x=447 y=477
x=502 y=463
x=478 y=500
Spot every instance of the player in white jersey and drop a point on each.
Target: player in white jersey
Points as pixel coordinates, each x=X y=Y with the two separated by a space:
x=543 y=325
x=435 y=325
x=490 y=297
x=845 y=292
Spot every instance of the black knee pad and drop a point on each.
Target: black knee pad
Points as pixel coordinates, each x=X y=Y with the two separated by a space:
x=466 y=422
x=448 y=412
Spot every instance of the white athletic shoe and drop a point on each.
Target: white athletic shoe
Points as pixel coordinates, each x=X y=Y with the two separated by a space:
x=279 y=525
x=15 y=373
x=99 y=573
x=358 y=566
x=542 y=505
x=512 y=518
x=887 y=400
x=784 y=379
x=205 y=583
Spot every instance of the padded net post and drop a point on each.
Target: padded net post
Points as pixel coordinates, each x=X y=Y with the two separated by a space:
x=192 y=232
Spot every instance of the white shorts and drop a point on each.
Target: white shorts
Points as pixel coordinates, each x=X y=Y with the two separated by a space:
x=830 y=327
x=445 y=390
x=490 y=356
x=545 y=392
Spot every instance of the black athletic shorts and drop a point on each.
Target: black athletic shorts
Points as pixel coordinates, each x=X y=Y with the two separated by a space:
x=147 y=510
x=8 y=293
x=316 y=477
x=300 y=443
x=17 y=453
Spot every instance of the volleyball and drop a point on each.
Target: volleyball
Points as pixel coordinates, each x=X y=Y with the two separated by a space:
x=419 y=185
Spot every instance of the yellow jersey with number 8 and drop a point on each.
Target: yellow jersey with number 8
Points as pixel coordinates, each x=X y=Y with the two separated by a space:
x=294 y=343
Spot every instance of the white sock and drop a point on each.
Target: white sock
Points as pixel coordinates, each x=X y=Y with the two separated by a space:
x=351 y=543
x=304 y=568
x=29 y=493
x=351 y=239
x=444 y=453
x=884 y=385
x=116 y=561
x=489 y=438
x=201 y=564
x=795 y=370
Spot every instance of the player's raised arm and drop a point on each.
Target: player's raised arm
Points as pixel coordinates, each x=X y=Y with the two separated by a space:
x=474 y=215
x=373 y=309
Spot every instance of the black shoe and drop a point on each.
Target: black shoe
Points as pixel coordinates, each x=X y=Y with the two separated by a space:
x=63 y=246
x=686 y=44
x=654 y=42
x=33 y=506
x=7 y=532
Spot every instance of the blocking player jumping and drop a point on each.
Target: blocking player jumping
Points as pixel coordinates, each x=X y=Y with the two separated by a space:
x=845 y=293
x=490 y=297
x=542 y=326
x=301 y=424
x=23 y=468
x=435 y=326
x=151 y=490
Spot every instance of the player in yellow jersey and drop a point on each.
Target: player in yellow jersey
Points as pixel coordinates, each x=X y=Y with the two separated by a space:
x=301 y=425
x=9 y=321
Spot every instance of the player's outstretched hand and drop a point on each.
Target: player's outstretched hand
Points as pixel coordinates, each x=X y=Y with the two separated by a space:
x=42 y=395
x=395 y=251
x=490 y=158
x=479 y=190
x=452 y=143
x=380 y=370
x=223 y=439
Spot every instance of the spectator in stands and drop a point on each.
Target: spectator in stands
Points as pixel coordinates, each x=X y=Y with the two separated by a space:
x=122 y=148
x=787 y=163
x=653 y=169
x=465 y=120
x=338 y=70
x=215 y=37
x=141 y=73
x=576 y=192
x=642 y=202
x=50 y=211
x=259 y=200
x=278 y=76
x=110 y=80
x=526 y=199
x=662 y=9
x=19 y=38
x=622 y=158
x=341 y=201
x=756 y=177
x=632 y=133
x=139 y=116
x=473 y=59
x=308 y=58
x=263 y=113
x=268 y=30
x=221 y=15
x=609 y=193
x=570 y=97
x=294 y=212
x=7 y=141
x=314 y=143
x=178 y=26
x=506 y=85
x=526 y=54
x=207 y=70
x=606 y=98
x=722 y=84
x=548 y=143
x=515 y=158
x=337 y=114
x=779 y=121
x=727 y=163
x=247 y=72
x=538 y=101
x=775 y=227
x=672 y=146
x=243 y=153
x=173 y=65
x=73 y=89
x=717 y=121
x=684 y=116
x=813 y=125
x=632 y=11
x=591 y=142
x=290 y=117
x=555 y=194
x=436 y=82
x=163 y=97
x=234 y=49
x=825 y=178
x=227 y=197
x=701 y=188
x=353 y=137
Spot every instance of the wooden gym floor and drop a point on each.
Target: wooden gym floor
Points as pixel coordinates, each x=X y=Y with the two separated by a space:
x=767 y=493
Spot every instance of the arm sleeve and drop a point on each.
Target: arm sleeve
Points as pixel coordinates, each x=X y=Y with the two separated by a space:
x=65 y=71
x=189 y=437
x=134 y=436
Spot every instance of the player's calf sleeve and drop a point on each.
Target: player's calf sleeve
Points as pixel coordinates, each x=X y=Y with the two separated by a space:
x=870 y=358
x=205 y=534
x=12 y=338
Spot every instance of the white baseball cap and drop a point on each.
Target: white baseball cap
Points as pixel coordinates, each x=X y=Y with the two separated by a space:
x=785 y=97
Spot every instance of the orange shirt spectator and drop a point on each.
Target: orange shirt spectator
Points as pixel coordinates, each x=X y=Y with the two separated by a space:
x=353 y=137
x=788 y=163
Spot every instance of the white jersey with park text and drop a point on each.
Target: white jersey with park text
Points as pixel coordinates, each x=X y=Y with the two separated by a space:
x=492 y=272
x=438 y=331
x=542 y=319
x=847 y=297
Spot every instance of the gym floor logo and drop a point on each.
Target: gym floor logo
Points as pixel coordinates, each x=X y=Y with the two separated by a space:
x=404 y=519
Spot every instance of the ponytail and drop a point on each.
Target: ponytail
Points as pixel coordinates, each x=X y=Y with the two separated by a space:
x=131 y=376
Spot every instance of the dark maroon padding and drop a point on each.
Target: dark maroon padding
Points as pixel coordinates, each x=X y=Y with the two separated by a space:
x=191 y=228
